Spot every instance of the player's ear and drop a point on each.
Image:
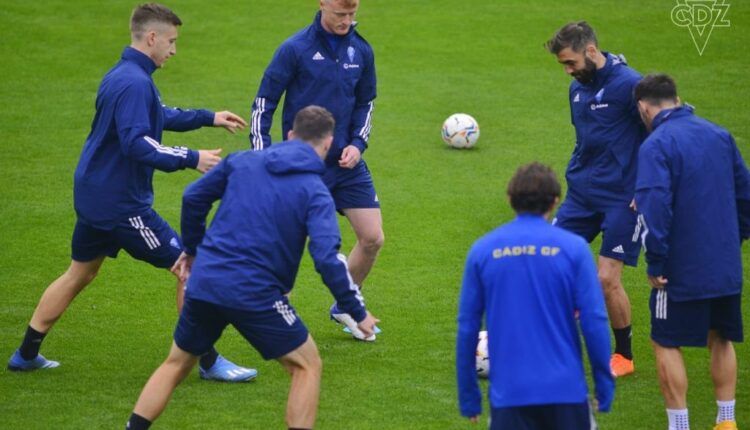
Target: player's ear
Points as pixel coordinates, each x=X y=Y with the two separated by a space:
x=591 y=51
x=291 y=135
x=150 y=38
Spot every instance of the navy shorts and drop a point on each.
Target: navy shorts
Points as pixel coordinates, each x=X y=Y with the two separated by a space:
x=675 y=324
x=273 y=333
x=351 y=188
x=145 y=237
x=574 y=416
x=618 y=224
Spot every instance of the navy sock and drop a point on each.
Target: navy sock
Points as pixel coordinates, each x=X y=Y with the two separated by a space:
x=208 y=359
x=137 y=422
x=32 y=341
x=622 y=342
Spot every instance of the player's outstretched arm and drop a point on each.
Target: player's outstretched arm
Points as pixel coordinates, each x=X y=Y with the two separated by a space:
x=196 y=204
x=231 y=122
x=324 y=245
x=589 y=299
x=470 y=312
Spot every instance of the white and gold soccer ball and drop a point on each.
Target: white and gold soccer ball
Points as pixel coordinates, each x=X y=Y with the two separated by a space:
x=460 y=131
x=483 y=356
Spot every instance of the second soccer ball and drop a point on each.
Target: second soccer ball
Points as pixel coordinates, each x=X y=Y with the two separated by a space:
x=460 y=131
x=483 y=356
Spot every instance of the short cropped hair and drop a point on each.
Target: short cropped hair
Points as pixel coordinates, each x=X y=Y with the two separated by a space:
x=655 y=89
x=533 y=189
x=575 y=35
x=313 y=124
x=346 y=3
x=147 y=13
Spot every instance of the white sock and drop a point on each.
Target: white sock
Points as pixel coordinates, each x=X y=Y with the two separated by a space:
x=678 y=419
x=726 y=411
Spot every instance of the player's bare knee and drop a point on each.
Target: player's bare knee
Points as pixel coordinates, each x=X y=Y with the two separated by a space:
x=610 y=281
x=373 y=242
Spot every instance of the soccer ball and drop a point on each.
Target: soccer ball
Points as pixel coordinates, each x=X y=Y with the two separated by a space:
x=460 y=131
x=483 y=357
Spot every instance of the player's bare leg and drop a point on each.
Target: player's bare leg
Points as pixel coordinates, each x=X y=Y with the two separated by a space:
x=159 y=388
x=723 y=366
x=673 y=382
x=53 y=303
x=672 y=376
x=367 y=224
x=618 y=309
x=305 y=367
x=724 y=375
x=60 y=293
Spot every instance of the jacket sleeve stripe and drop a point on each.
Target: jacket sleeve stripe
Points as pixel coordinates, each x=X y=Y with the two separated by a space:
x=365 y=132
x=176 y=151
x=352 y=286
x=255 y=128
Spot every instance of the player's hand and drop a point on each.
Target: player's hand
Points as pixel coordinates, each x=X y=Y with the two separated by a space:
x=367 y=325
x=633 y=206
x=229 y=121
x=207 y=159
x=183 y=266
x=657 y=281
x=350 y=156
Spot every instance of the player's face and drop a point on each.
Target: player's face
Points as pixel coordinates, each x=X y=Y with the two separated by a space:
x=336 y=16
x=163 y=43
x=577 y=65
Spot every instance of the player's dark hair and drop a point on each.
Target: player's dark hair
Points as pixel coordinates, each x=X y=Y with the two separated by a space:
x=655 y=89
x=575 y=35
x=147 y=13
x=533 y=189
x=313 y=124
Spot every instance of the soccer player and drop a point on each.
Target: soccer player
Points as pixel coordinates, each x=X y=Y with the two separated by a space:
x=528 y=278
x=241 y=270
x=330 y=65
x=112 y=188
x=693 y=194
x=601 y=171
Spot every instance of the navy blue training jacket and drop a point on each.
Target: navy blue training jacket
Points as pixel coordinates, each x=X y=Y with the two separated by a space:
x=693 y=195
x=311 y=73
x=113 y=177
x=528 y=278
x=609 y=132
x=251 y=252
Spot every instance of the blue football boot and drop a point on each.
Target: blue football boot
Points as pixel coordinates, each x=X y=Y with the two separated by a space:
x=225 y=371
x=18 y=364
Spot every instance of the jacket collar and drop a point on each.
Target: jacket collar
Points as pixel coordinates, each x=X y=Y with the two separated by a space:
x=678 y=112
x=602 y=74
x=139 y=58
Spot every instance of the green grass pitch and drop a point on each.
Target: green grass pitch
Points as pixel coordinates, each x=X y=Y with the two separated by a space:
x=433 y=58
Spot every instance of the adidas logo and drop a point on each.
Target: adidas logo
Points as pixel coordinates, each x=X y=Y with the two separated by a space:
x=318 y=56
x=618 y=249
x=577 y=98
